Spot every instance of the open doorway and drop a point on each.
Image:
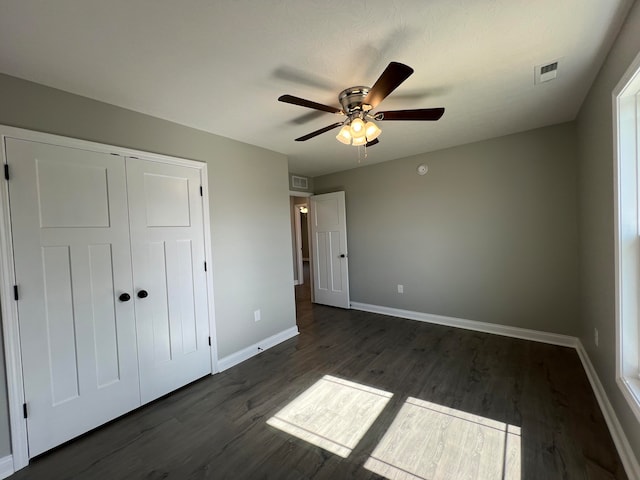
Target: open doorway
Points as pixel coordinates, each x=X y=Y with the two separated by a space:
x=300 y=241
x=301 y=257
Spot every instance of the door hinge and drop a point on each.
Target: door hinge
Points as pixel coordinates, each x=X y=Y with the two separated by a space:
x=24 y=410
x=15 y=293
x=209 y=341
x=6 y=171
x=201 y=190
x=205 y=266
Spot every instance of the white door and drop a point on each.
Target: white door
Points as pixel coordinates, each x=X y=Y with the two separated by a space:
x=72 y=261
x=329 y=250
x=167 y=244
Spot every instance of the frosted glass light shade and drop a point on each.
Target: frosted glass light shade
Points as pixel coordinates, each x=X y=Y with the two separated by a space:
x=344 y=135
x=371 y=131
x=357 y=128
x=357 y=141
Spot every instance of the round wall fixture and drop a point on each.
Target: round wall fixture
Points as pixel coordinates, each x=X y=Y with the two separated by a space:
x=422 y=169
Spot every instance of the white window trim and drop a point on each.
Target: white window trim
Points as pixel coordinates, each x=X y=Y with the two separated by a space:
x=626 y=129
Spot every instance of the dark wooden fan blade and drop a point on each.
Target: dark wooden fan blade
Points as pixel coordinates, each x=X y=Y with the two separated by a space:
x=308 y=103
x=373 y=142
x=318 y=132
x=391 y=78
x=418 y=114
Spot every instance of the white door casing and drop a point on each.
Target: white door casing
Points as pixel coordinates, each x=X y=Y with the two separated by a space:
x=167 y=244
x=329 y=249
x=72 y=261
x=80 y=354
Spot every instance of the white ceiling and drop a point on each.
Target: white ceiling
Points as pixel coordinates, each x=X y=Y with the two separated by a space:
x=220 y=65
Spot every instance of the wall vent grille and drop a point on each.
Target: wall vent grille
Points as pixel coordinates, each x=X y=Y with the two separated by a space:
x=300 y=182
x=546 y=72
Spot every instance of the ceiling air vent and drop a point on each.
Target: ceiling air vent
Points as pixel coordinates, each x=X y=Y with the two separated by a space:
x=299 y=182
x=545 y=73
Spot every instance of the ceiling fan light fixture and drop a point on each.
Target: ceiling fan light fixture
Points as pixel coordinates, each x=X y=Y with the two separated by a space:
x=371 y=131
x=344 y=136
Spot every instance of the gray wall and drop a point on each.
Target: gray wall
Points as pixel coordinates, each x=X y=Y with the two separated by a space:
x=595 y=140
x=488 y=234
x=251 y=239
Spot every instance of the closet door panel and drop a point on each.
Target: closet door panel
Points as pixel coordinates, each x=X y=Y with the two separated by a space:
x=183 y=310
x=167 y=242
x=72 y=261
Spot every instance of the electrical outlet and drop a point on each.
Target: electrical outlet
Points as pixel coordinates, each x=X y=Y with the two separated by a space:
x=400 y=288
x=256 y=315
x=595 y=336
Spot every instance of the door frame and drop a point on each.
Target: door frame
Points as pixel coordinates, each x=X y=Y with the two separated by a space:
x=307 y=195
x=8 y=305
x=299 y=258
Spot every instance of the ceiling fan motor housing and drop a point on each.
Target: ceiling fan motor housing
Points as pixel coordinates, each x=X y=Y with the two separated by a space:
x=351 y=100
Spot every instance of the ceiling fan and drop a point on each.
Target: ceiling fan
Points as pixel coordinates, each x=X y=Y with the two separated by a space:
x=357 y=105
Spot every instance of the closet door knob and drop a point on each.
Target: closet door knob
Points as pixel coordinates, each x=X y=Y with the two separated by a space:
x=124 y=297
x=143 y=294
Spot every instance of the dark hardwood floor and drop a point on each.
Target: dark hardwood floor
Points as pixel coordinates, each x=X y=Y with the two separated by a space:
x=217 y=427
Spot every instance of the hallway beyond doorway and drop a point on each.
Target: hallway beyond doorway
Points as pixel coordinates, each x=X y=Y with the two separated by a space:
x=303 y=298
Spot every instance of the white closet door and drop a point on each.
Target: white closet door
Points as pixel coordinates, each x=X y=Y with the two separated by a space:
x=167 y=244
x=72 y=261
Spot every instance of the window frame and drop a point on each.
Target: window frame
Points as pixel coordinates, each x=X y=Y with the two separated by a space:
x=626 y=144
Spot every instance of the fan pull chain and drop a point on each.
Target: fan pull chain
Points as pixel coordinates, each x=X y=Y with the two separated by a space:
x=360 y=155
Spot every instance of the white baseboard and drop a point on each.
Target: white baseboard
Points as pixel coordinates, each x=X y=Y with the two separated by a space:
x=253 y=350
x=6 y=466
x=507 y=331
x=629 y=460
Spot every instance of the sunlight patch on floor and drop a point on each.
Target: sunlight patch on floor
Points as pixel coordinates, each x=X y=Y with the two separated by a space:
x=427 y=441
x=333 y=414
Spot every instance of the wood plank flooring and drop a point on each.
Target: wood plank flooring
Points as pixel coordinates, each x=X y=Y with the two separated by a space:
x=463 y=405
